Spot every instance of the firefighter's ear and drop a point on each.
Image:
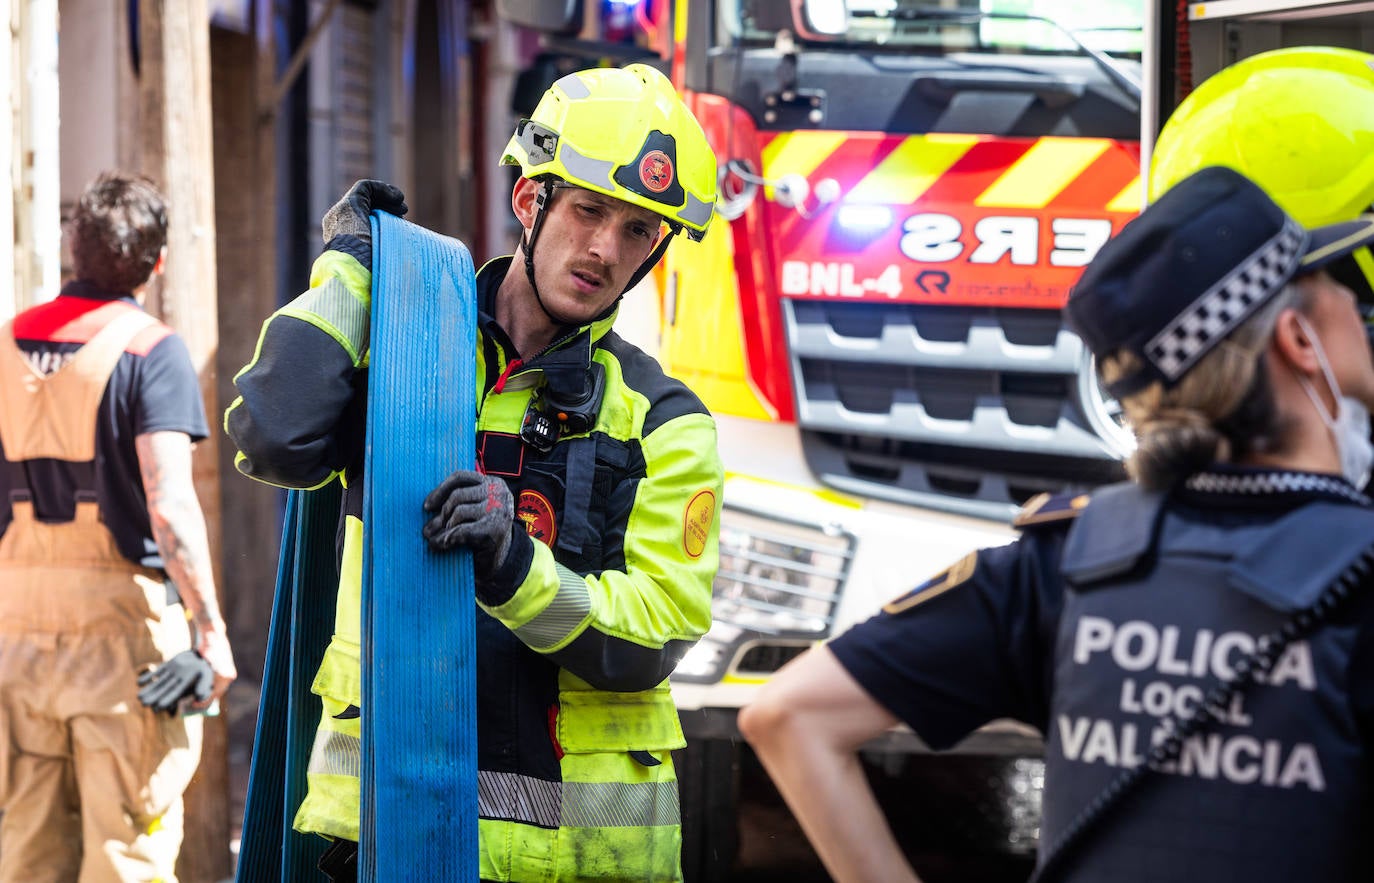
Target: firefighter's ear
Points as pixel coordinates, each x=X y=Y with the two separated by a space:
x=523 y=200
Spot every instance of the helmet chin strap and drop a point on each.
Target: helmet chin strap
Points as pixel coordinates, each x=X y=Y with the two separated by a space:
x=541 y=203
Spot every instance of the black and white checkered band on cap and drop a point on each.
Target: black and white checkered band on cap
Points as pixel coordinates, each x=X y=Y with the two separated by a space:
x=1227 y=303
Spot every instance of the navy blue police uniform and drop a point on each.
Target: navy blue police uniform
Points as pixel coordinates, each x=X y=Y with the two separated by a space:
x=1196 y=648
x=1112 y=614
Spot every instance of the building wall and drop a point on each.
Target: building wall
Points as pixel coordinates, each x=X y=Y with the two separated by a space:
x=10 y=151
x=93 y=60
x=30 y=221
x=247 y=295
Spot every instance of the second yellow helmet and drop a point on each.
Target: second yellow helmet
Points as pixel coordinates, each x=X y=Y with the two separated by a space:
x=1299 y=122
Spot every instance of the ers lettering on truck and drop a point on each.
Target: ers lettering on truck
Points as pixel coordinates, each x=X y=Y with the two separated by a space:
x=957 y=219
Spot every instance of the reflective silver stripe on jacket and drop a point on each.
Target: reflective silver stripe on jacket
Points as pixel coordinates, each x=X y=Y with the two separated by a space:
x=619 y=804
x=515 y=798
x=569 y=608
x=333 y=309
x=336 y=754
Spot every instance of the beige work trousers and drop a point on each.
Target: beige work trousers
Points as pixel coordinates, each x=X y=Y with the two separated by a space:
x=90 y=779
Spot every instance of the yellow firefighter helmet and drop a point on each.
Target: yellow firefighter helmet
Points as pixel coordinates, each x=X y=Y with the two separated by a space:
x=626 y=133
x=1299 y=122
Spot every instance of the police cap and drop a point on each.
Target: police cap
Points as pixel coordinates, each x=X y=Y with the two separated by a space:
x=1191 y=268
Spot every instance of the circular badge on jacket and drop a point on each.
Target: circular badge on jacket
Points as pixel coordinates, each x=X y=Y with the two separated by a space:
x=536 y=511
x=696 y=523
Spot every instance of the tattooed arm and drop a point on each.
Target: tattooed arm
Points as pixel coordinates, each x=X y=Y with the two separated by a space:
x=179 y=529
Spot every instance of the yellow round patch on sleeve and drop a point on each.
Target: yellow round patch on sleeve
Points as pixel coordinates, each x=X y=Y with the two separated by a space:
x=937 y=585
x=696 y=523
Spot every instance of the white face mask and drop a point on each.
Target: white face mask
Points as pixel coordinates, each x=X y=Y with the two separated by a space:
x=1349 y=427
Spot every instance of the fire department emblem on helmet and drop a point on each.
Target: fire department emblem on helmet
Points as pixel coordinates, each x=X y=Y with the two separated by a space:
x=696 y=526
x=536 y=512
x=656 y=171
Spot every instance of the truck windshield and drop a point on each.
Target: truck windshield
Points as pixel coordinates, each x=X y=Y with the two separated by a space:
x=1008 y=26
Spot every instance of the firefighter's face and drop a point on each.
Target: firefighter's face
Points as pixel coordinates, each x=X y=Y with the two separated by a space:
x=588 y=249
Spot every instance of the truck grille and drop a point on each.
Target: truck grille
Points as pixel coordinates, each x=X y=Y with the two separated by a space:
x=968 y=409
x=779 y=576
x=774 y=594
x=765 y=659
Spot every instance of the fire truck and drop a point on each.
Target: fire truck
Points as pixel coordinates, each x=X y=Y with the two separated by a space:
x=909 y=193
x=909 y=189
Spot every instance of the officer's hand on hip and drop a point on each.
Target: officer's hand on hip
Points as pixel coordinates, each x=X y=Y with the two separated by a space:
x=349 y=216
x=475 y=511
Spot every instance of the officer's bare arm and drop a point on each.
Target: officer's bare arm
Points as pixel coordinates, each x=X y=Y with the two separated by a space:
x=164 y=458
x=806 y=726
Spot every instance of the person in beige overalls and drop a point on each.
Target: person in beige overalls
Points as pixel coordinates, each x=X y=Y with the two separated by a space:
x=99 y=406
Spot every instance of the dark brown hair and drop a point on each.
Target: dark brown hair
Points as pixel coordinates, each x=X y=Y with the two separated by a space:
x=117 y=232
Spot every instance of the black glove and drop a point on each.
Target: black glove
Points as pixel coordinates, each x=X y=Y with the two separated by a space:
x=349 y=216
x=184 y=675
x=475 y=511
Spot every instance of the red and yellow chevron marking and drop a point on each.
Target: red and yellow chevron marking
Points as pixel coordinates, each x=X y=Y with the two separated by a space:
x=974 y=219
x=990 y=172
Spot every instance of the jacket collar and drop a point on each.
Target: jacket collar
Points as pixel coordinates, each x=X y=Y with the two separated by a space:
x=1224 y=485
x=90 y=291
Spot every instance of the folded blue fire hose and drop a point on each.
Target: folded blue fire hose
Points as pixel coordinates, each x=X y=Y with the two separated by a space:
x=419 y=745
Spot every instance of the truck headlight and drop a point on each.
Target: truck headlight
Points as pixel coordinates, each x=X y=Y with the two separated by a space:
x=778 y=578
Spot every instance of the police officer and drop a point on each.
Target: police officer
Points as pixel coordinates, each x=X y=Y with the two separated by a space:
x=1190 y=643
x=592 y=521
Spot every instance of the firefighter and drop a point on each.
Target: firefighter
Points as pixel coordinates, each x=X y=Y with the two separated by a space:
x=592 y=519
x=1300 y=123
x=1194 y=644
x=103 y=559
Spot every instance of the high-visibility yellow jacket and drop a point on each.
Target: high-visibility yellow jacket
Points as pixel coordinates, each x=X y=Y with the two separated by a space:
x=576 y=635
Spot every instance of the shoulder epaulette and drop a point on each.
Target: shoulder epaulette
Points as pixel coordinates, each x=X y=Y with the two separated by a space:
x=1045 y=508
